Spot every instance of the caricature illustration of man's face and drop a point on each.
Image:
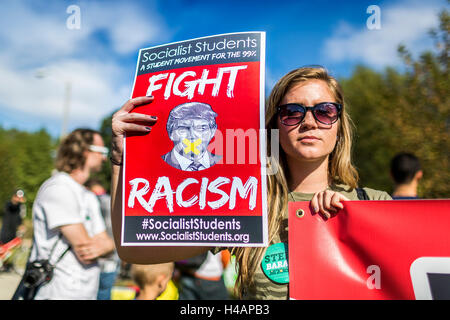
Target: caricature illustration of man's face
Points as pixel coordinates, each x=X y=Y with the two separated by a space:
x=191 y=137
x=191 y=127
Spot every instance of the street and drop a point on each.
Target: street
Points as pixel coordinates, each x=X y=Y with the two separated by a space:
x=8 y=284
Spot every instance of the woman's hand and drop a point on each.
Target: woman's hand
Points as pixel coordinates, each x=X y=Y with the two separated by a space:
x=125 y=122
x=327 y=202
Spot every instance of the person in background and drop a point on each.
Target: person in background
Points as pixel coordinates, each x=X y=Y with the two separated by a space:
x=151 y=279
x=67 y=215
x=406 y=173
x=12 y=226
x=110 y=264
x=13 y=214
x=201 y=277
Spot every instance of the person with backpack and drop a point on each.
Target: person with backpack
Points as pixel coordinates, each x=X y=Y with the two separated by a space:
x=69 y=230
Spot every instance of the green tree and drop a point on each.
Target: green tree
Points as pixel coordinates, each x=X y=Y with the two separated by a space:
x=27 y=160
x=407 y=111
x=7 y=176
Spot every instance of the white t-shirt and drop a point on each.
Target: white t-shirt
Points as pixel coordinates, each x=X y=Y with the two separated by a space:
x=62 y=201
x=212 y=267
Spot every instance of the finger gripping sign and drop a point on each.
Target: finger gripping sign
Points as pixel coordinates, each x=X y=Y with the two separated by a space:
x=198 y=178
x=375 y=250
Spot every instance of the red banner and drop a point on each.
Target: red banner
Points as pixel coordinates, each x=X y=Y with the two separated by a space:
x=371 y=250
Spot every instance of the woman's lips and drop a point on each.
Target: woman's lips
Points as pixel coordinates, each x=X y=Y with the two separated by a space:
x=308 y=139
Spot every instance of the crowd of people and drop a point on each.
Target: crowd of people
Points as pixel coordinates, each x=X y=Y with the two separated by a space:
x=72 y=229
x=72 y=214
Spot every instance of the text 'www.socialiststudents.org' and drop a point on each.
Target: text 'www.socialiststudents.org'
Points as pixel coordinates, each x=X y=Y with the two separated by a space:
x=193 y=236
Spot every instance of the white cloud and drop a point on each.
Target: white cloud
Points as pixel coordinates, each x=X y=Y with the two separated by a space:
x=94 y=91
x=44 y=32
x=36 y=38
x=405 y=22
x=129 y=27
x=29 y=36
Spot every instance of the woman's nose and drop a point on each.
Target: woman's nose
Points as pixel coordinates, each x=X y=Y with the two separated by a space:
x=309 y=120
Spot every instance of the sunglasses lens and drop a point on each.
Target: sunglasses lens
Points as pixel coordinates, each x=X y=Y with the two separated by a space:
x=326 y=113
x=291 y=115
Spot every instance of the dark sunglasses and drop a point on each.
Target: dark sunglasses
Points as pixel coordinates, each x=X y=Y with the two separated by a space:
x=292 y=114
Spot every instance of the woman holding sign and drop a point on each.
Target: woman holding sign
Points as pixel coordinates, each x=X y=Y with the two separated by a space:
x=308 y=108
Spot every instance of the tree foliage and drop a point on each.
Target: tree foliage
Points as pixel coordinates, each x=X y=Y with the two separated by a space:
x=408 y=111
x=26 y=162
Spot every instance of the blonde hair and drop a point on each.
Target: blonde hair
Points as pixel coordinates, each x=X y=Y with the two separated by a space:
x=340 y=168
x=147 y=274
x=71 y=151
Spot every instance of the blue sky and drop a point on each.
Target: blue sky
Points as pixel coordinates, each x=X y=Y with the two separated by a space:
x=39 y=54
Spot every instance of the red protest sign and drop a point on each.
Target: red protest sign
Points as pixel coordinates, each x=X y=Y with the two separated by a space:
x=371 y=250
x=197 y=178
